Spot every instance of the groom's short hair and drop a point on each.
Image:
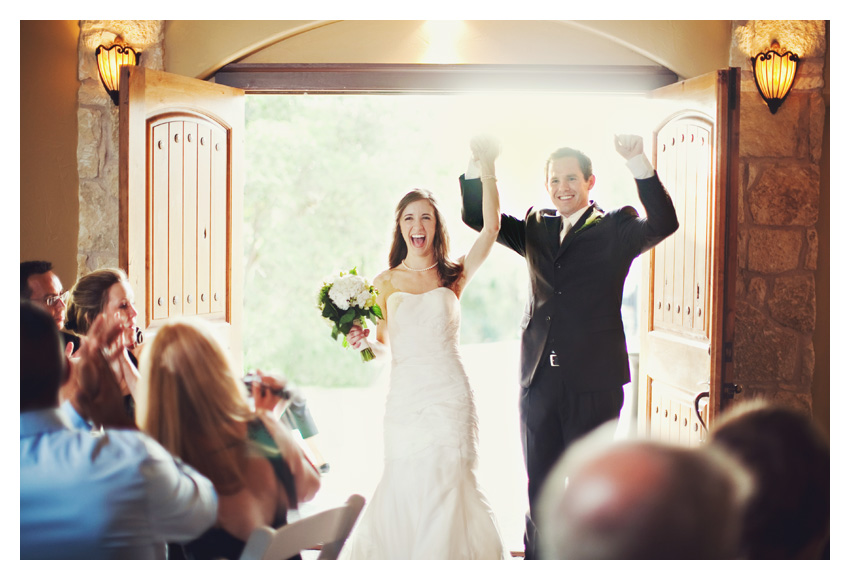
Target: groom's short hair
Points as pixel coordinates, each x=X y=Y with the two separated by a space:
x=583 y=161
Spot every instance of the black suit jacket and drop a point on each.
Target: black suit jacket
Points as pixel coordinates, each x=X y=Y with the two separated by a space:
x=576 y=287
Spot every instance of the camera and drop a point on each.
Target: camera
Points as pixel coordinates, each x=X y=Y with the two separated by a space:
x=297 y=415
x=284 y=393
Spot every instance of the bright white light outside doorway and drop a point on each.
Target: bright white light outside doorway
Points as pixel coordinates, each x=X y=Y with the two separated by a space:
x=324 y=175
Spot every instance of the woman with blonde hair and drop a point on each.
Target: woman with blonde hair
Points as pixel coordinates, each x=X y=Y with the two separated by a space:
x=192 y=402
x=107 y=291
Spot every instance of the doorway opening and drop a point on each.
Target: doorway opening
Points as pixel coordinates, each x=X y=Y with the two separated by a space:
x=323 y=176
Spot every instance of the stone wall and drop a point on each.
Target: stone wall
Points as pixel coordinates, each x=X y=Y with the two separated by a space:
x=97 y=144
x=778 y=209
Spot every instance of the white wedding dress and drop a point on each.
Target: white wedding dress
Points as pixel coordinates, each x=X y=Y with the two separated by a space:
x=428 y=504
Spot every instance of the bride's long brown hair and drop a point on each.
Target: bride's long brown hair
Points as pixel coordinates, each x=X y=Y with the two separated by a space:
x=448 y=270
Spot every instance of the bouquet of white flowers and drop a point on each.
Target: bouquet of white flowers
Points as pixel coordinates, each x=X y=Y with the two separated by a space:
x=346 y=299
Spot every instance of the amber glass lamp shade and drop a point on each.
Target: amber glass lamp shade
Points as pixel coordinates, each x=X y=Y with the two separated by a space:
x=774 y=74
x=109 y=63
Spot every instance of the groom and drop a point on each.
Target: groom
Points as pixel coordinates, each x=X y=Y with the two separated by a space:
x=573 y=350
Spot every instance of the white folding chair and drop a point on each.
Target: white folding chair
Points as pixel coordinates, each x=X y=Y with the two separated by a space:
x=328 y=529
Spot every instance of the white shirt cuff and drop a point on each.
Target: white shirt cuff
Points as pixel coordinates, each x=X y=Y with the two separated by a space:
x=640 y=167
x=472 y=171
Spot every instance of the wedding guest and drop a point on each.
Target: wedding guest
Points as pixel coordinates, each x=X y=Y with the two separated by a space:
x=111 y=495
x=106 y=291
x=788 y=516
x=644 y=500
x=192 y=402
x=42 y=286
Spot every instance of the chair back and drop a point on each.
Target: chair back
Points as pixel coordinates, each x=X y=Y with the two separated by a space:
x=328 y=529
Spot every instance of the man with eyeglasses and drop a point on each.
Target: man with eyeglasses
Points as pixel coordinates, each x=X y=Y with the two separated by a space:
x=41 y=285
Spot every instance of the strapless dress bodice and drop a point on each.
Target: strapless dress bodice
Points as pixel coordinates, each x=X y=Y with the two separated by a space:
x=423 y=325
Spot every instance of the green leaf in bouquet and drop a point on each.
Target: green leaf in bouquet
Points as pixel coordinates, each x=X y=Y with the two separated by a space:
x=345 y=328
x=376 y=310
x=330 y=311
x=348 y=316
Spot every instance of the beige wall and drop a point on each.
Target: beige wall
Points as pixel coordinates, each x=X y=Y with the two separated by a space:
x=49 y=202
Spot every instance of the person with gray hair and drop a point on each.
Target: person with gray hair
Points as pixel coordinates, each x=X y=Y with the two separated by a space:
x=644 y=500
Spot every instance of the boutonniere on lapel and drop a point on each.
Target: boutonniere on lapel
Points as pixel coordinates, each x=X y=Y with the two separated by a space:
x=592 y=220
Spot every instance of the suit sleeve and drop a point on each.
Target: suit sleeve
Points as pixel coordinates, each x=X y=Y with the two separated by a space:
x=511 y=229
x=660 y=221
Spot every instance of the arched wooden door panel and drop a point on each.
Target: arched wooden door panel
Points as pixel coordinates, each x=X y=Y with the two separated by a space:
x=688 y=280
x=181 y=180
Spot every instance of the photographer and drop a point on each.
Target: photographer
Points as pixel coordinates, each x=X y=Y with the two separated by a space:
x=192 y=402
x=288 y=403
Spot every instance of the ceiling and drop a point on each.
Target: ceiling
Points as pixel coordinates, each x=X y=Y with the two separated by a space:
x=198 y=48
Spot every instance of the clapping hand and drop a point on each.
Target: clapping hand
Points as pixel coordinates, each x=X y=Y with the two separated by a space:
x=628 y=146
x=97 y=367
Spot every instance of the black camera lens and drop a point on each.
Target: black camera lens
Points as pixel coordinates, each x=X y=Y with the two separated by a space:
x=249 y=380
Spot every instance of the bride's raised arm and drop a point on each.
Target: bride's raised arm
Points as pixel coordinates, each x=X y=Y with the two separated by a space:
x=485 y=150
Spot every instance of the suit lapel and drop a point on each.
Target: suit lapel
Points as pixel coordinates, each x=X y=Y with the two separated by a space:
x=553 y=229
x=574 y=230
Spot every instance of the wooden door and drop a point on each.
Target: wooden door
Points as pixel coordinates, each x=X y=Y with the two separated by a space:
x=689 y=280
x=181 y=182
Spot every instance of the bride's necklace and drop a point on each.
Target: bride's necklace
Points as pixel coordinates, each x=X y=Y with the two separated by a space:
x=418 y=269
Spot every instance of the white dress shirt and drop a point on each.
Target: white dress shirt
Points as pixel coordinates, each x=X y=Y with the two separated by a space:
x=115 y=495
x=569 y=222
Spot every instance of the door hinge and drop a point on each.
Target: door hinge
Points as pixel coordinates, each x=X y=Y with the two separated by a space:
x=730 y=390
x=734 y=88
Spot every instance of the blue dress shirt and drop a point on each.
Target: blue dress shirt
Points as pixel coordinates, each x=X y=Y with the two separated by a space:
x=76 y=420
x=111 y=495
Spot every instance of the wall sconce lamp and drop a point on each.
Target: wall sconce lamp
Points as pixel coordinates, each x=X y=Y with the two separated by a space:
x=109 y=63
x=774 y=74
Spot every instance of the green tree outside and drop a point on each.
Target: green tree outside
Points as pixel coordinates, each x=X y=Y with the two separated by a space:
x=325 y=172
x=324 y=176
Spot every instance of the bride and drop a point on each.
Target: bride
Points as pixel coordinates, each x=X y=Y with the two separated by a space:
x=428 y=504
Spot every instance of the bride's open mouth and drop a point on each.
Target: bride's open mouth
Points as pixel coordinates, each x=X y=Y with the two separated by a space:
x=417 y=241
